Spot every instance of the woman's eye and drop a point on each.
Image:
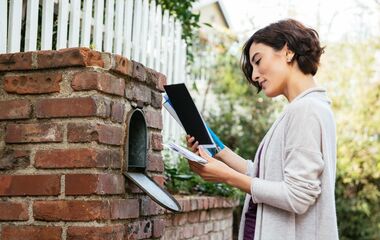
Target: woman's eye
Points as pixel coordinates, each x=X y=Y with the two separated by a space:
x=258 y=62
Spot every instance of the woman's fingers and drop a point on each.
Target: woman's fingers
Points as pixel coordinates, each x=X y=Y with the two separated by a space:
x=194 y=148
x=190 y=143
x=189 y=140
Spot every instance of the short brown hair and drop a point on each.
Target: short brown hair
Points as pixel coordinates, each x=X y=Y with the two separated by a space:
x=303 y=41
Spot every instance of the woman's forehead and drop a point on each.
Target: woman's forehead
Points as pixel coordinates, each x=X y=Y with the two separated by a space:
x=258 y=48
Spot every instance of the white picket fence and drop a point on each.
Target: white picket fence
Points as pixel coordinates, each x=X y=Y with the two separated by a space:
x=136 y=29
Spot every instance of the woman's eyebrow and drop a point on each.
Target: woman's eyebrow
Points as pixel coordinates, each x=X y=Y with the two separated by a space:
x=253 y=57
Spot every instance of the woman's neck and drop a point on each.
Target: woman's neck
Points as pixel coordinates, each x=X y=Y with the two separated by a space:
x=297 y=84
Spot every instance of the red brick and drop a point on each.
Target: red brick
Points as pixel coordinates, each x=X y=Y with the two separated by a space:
x=156 y=100
x=33 y=132
x=77 y=158
x=109 y=232
x=33 y=83
x=80 y=210
x=193 y=217
x=100 y=184
x=204 y=216
x=155 y=163
x=160 y=82
x=90 y=80
x=69 y=57
x=15 y=109
x=199 y=229
x=158 y=228
x=154 y=119
x=71 y=210
x=156 y=141
x=117 y=112
x=139 y=230
x=78 y=132
x=31 y=232
x=179 y=219
x=139 y=71
x=13 y=159
x=159 y=179
x=132 y=187
x=137 y=92
x=187 y=232
x=125 y=209
x=73 y=107
x=29 y=185
x=15 y=61
x=122 y=65
x=149 y=207
x=13 y=211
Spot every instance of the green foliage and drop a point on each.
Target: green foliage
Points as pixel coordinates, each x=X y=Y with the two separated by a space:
x=181 y=180
x=349 y=71
x=182 y=10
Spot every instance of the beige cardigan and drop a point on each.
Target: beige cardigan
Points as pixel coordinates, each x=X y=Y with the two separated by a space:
x=295 y=189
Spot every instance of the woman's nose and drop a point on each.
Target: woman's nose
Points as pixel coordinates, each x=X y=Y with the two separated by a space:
x=255 y=75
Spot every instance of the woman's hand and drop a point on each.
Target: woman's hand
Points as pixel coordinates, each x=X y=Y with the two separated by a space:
x=191 y=144
x=213 y=171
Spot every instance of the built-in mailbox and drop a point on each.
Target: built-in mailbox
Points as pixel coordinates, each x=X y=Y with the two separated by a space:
x=136 y=147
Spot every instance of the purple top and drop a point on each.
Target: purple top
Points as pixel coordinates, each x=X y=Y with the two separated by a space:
x=250 y=215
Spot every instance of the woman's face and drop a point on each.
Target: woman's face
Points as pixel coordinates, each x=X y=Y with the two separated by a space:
x=270 y=68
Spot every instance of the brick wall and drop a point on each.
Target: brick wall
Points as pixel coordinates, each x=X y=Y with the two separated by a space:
x=62 y=129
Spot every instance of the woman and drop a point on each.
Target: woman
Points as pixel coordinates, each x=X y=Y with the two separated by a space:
x=290 y=184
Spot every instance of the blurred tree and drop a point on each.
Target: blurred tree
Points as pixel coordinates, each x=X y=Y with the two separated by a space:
x=349 y=71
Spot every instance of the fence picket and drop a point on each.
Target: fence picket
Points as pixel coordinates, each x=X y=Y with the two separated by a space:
x=47 y=25
x=136 y=31
x=177 y=49
x=157 y=39
x=86 y=23
x=108 y=31
x=14 y=37
x=31 y=25
x=128 y=28
x=165 y=39
x=98 y=24
x=63 y=16
x=119 y=26
x=151 y=35
x=144 y=31
x=75 y=13
x=183 y=62
x=3 y=26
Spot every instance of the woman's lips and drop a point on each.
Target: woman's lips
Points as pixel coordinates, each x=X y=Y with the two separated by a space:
x=262 y=84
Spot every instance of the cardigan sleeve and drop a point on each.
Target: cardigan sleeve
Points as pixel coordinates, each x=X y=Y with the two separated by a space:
x=302 y=166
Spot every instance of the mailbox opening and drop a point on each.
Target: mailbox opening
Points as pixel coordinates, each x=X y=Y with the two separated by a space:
x=135 y=152
x=137 y=142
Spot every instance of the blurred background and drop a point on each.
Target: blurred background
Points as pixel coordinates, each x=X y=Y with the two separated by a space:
x=199 y=43
x=350 y=31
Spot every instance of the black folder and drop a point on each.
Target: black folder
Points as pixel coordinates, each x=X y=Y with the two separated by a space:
x=188 y=113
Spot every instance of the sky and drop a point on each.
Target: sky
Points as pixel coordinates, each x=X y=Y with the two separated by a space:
x=335 y=20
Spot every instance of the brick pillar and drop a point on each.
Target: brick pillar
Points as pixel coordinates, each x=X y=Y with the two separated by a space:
x=62 y=130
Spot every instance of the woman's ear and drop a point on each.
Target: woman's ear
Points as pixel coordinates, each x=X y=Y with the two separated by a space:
x=289 y=54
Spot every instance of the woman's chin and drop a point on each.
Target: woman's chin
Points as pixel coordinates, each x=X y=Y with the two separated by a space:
x=269 y=93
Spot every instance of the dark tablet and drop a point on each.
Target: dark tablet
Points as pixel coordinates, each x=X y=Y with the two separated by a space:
x=188 y=113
